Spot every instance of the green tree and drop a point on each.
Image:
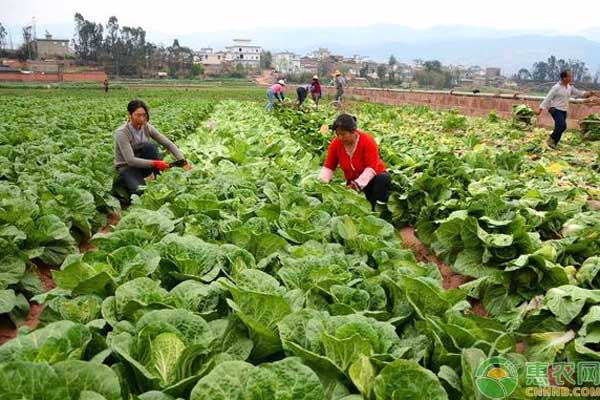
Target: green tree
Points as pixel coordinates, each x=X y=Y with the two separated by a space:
x=180 y=59
x=381 y=73
x=553 y=72
x=433 y=75
x=112 y=34
x=266 y=59
x=432 y=65
x=111 y=47
x=562 y=65
x=392 y=62
x=197 y=70
x=523 y=75
x=552 y=67
x=578 y=69
x=132 y=50
x=324 y=68
x=2 y=36
x=238 y=72
x=88 y=40
x=539 y=71
x=364 y=70
x=26 y=51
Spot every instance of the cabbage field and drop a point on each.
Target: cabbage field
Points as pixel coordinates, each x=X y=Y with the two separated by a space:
x=247 y=278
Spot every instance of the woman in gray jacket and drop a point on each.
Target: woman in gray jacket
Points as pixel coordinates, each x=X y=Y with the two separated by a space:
x=136 y=153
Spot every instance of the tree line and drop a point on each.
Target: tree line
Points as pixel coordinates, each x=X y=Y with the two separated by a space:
x=549 y=70
x=25 y=51
x=121 y=50
x=432 y=74
x=124 y=50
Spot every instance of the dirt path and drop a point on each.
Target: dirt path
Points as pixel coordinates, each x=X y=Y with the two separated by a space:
x=450 y=279
x=7 y=329
x=112 y=220
x=267 y=77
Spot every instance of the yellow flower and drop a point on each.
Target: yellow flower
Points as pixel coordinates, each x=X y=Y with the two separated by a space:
x=555 y=168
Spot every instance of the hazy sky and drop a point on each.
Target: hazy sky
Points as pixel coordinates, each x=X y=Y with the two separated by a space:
x=183 y=17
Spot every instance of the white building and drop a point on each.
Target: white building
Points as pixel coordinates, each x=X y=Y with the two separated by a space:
x=242 y=52
x=320 y=54
x=287 y=62
x=203 y=54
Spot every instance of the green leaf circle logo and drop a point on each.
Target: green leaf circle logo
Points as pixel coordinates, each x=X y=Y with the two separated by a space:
x=496 y=378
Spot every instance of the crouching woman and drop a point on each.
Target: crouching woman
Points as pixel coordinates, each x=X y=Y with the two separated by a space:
x=136 y=152
x=357 y=154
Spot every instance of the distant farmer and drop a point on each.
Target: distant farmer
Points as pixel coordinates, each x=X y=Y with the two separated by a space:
x=105 y=84
x=357 y=154
x=315 y=89
x=136 y=153
x=275 y=92
x=302 y=93
x=340 y=86
x=557 y=104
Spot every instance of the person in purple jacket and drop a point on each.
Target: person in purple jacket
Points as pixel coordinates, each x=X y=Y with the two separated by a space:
x=275 y=92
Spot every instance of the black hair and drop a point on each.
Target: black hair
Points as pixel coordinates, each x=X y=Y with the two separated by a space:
x=345 y=122
x=135 y=104
x=563 y=73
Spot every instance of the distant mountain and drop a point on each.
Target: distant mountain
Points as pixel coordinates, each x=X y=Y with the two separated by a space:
x=508 y=53
x=309 y=38
x=507 y=49
x=591 y=33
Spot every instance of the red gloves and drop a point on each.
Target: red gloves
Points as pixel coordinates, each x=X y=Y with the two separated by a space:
x=160 y=165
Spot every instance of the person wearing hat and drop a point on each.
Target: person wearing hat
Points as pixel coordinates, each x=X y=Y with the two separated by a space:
x=315 y=89
x=357 y=154
x=340 y=86
x=275 y=92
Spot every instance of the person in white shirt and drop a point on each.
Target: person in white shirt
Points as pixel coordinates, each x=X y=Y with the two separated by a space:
x=557 y=104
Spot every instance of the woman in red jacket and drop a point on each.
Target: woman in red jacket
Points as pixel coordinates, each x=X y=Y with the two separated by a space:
x=315 y=89
x=357 y=154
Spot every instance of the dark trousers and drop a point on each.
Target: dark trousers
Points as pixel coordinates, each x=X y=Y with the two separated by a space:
x=316 y=97
x=301 y=92
x=132 y=177
x=378 y=189
x=560 y=123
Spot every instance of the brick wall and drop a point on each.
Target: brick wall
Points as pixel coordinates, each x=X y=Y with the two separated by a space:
x=466 y=103
x=91 y=76
x=36 y=77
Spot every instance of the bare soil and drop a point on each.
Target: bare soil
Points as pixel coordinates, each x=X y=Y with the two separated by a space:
x=267 y=77
x=450 y=279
